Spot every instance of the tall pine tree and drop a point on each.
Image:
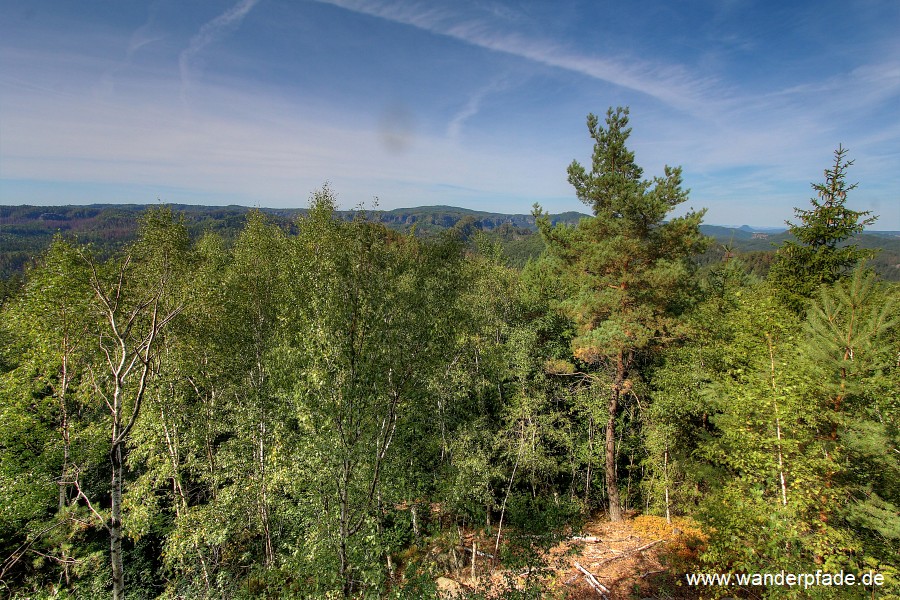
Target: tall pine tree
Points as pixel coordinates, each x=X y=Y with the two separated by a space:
x=626 y=271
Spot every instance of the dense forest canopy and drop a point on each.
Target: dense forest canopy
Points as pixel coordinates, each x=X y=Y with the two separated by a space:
x=322 y=405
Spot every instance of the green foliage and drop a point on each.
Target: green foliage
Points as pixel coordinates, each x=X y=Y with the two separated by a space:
x=821 y=255
x=321 y=408
x=626 y=272
x=759 y=397
x=630 y=267
x=851 y=331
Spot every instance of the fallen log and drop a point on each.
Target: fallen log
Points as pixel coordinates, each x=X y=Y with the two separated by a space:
x=644 y=547
x=598 y=587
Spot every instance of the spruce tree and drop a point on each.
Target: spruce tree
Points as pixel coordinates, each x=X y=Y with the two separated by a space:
x=820 y=256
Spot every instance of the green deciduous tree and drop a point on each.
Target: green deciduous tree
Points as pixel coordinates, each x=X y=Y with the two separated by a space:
x=135 y=297
x=781 y=432
x=365 y=335
x=92 y=332
x=177 y=451
x=44 y=416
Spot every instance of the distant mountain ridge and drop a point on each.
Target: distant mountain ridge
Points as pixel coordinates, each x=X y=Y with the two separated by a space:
x=441 y=216
x=66 y=216
x=25 y=231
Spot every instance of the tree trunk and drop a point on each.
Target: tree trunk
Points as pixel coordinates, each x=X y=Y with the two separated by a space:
x=587 y=477
x=262 y=499
x=508 y=490
x=63 y=485
x=379 y=524
x=64 y=427
x=666 y=475
x=346 y=582
x=777 y=419
x=612 y=486
x=344 y=529
x=115 y=525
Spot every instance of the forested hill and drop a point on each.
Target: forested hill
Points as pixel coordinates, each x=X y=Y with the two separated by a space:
x=25 y=231
x=112 y=220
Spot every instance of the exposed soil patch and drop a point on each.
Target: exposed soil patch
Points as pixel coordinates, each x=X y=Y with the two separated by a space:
x=642 y=557
x=638 y=558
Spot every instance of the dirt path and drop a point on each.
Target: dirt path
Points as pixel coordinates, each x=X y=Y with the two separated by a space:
x=637 y=558
x=641 y=557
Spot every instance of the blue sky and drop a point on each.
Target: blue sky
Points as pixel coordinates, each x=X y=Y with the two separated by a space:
x=473 y=103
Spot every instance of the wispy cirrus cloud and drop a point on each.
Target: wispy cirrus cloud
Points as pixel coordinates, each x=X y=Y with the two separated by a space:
x=208 y=34
x=473 y=105
x=240 y=146
x=668 y=83
x=147 y=33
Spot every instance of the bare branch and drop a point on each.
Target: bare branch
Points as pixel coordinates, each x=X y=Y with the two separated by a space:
x=598 y=587
x=62 y=561
x=87 y=500
x=99 y=390
x=19 y=552
x=109 y=359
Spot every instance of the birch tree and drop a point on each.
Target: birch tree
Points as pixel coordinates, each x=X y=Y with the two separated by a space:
x=135 y=297
x=359 y=348
x=45 y=418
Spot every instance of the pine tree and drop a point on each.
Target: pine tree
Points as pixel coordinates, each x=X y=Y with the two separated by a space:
x=850 y=340
x=625 y=271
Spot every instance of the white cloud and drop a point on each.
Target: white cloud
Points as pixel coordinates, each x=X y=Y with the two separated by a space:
x=256 y=145
x=209 y=33
x=670 y=84
x=472 y=106
x=747 y=150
